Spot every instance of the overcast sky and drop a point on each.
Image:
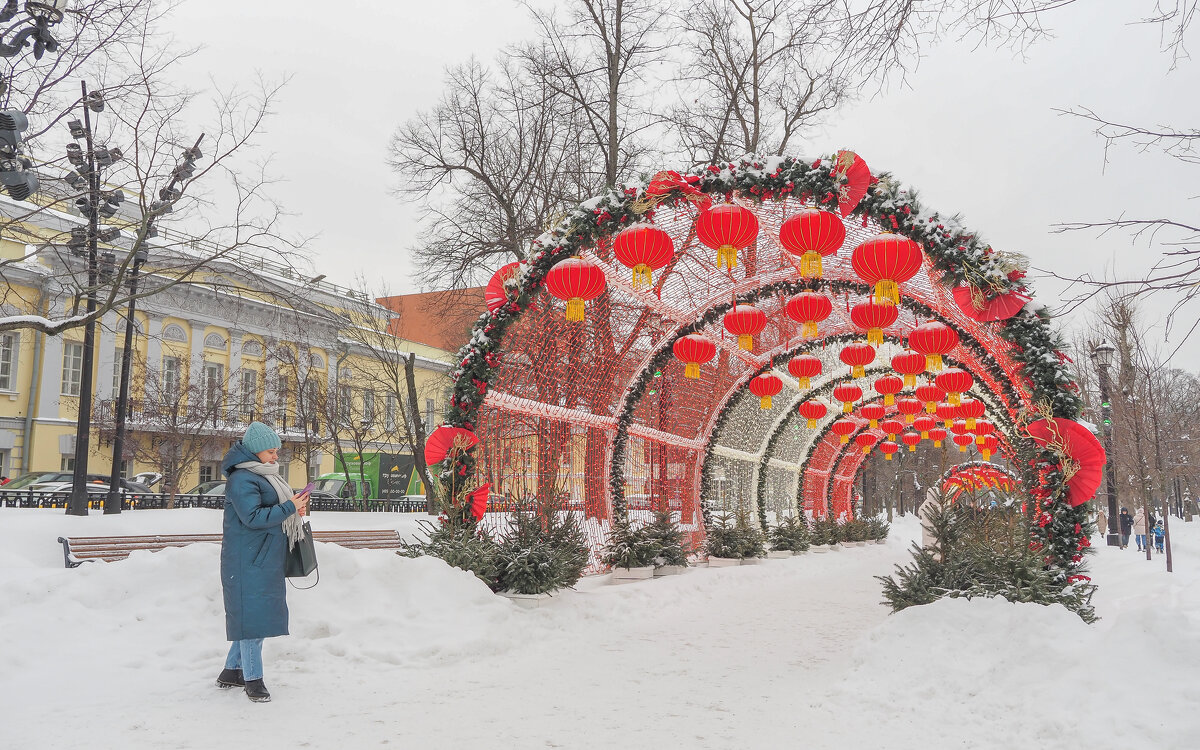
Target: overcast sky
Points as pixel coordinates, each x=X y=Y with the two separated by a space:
x=973 y=130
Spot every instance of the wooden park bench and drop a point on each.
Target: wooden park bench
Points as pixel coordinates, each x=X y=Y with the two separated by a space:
x=80 y=549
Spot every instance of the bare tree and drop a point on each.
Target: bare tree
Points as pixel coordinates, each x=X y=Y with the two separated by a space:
x=299 y=398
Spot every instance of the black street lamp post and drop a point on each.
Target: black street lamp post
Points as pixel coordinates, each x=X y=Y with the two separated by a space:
x=1102 y=356
x=42 y=14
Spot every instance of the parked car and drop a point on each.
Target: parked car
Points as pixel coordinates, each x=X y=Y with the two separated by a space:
x=216 y=487
x=60 y=481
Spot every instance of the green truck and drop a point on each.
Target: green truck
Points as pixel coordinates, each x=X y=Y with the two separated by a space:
x=374 y=476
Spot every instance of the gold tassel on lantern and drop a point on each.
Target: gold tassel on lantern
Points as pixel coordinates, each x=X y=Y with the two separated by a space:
x=866 y=449
x=874 y=424
x=847 y=407
x=875 y=336
x=858 y=371
x=810 y=265
x=809 y=329
x=745 y=341
x=889 y=399
x=845 y=439
x=912 y=449
x=910 y=381
x=987 y=455
x=812 y=424
x=970 y=423
x=908 y=419
x=931 y=407
x=803 y=382
x=692 y=370
x=642 y=276
x=575 y=309
x=888 y=456
x=727 y=257
x=764 y=402
x=924 y=434
x=954 y=398
x=887 y=292
x=962 y=449
x=937 y=443
x=933 y=362
x=979 y=440
x=947 y=423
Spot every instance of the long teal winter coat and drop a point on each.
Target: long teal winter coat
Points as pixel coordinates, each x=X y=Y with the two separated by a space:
x=253 y=552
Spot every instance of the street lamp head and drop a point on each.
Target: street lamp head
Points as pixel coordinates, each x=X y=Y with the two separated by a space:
x=1102 y=355
x=49 y=10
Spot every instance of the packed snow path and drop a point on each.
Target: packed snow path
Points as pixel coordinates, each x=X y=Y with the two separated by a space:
x=411 y=653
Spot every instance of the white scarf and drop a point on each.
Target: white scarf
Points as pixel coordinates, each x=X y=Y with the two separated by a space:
x=293 y=526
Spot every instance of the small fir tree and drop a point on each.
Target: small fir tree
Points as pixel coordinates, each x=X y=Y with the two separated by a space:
x=723 y=539
x=672 y=543
x=751 y=542
x=789 y=534
x=628 y=547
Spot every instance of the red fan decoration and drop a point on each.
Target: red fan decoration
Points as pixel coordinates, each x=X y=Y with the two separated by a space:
x=1001 y=307
x=479 y=500
x=971 y=409
x=494 y=295
x=694 y=350
x=808 y=308
x=873 y=412
x=803 y=368
x=745 y=322
x=982 y=428
x=643 y=248
x=911 y=439
x=765 y=386
x=855 y=177
x=887 y=261
x=873 y=317
x=909 y=407
x=910 y=364
x=812 y=234
x=847 y=393
x=866 y=441
x=857 y=356
x=892 y=427
x=930 y=395
x=843 y=428
x=1081 y=446
x=812 y=411
x=947 y=412
x=933 y=339
x=937 y=435
x=575 y=280
x=888 y=449
x=727 y=228
x=446 y=439
x=924 y=424
x=954 y=382
x=988 y=446
x=962 y=441
x=888 y=386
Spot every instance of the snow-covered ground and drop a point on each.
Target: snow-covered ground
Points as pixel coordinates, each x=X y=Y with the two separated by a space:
x=411 y=653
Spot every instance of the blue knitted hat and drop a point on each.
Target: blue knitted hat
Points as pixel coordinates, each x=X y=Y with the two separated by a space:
x=259 y=438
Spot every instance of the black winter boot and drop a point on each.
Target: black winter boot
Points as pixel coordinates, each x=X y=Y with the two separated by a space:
x=257 y=691
x=230 y=678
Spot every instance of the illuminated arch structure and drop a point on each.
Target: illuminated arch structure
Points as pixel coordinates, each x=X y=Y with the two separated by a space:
x=597 y=415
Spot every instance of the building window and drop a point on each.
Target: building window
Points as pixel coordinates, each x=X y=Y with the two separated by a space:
x=429 y=413
x=72 y=368
x=8 y=361
x=209 y=472
x=214 y=341
x=174 y=333
x=249 y=392
x=343 y=404
x=390 y=416
x=117 y=355
x=67 y=464
x=281 y=399
x=214 y=384
x=171 y=367
x=368 y=412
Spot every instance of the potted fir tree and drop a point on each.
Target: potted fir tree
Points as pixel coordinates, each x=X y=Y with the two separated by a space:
x=789 y=537
x=724 y=542
x=673 y=549
x=630 y=552
x=752 y=542
x=818 y=535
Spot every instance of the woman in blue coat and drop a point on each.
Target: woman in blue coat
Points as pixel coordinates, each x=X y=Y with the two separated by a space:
x=261 y=516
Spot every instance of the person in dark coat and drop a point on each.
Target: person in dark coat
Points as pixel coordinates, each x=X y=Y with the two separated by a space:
x=262 y=517
x=1126 y=527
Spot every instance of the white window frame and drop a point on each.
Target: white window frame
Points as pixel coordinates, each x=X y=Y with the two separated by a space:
x=171 y=376
x=390 y=414
x=214 y=382
x=248 y=392
x=10 y=348
x=368 y=408
x=71 y=378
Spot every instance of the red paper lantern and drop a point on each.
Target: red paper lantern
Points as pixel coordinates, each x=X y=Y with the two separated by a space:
x=937 y=435
x=888 y=449
x=812 y=234
x=947 y=412
x=959 y=427
x=808 y=308
x=745 y=322
x=911 y=439
x=962 y=441
x=930 y=395
x=866 y=441
x=494 y=294
x=575 y=280
x=445 y=440
x=812 y=411
x=988 y=446
x=727 y=228
x=693 y=350
x=857 y=356
x=843 y=428
x=643 y=248
x=982 y=428
x=909 y=407
x=892 y=427
x=910 y=364
x=887 y=260
x=954 y=382
x=971 y=409
x=1000 y=307
x=933 y=339
x=888 y=386
x=873 y=412
x=765 y=386
x=924 y=424
x=847 y=393
x=803 y=368
x=873 y=317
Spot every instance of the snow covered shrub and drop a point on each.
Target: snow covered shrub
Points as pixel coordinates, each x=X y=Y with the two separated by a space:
x=469 y=549
x=854 y=531
x=986 y=553
x=723 y=538
x=542 y=550
x=628 y=547
x=751 y=541
x=789 y=534
x=877 y=528
x=672 y=544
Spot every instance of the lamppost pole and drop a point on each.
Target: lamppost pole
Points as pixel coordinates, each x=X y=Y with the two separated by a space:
x=112 y=503
x=1102 y=355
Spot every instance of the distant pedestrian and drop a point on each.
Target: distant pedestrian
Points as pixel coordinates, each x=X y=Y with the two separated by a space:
x=1139 y=528
x=1126 y=527
x=1159 y=534
x=1101 y=522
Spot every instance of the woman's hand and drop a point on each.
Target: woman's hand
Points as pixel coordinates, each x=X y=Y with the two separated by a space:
x=300 y=499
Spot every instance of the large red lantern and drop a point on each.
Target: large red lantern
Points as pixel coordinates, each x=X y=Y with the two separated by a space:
x=909 y=407
x=808 y=308
x=866 y=441
x=847 y=393
x=727 y=228
x=745 y=322
x=954 y=382
x=910 y=364
x=888 y=386
x=959 y=427
x=947 y=412
x=495 y=295
x=911 y=439
x=937 y=435
x=924 y=424
x=983 y=428
x=971 y=409
x=888 y=449
x=930 y=395
x=873 y=317
x=575 y=280
x=803 y=368
x=857 y=356
x=962 y=441
x=693 y=350
x=644 y=248
x=765 y=386
x=873 y=412
x=843 y=428
x=812 y=411
x=892 y=427
x=933 y=339
x=812 y=234
x=887 y=261
x=988 y=446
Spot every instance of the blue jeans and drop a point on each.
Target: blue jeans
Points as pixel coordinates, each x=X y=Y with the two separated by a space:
x=1141 y=540
x=247 y=656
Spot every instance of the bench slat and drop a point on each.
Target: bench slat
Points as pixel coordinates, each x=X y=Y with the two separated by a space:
x=77 y=550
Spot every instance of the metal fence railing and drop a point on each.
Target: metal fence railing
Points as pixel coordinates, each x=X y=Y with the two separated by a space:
x=158 y=501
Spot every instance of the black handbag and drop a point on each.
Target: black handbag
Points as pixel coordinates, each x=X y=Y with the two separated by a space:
x=302 y=558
